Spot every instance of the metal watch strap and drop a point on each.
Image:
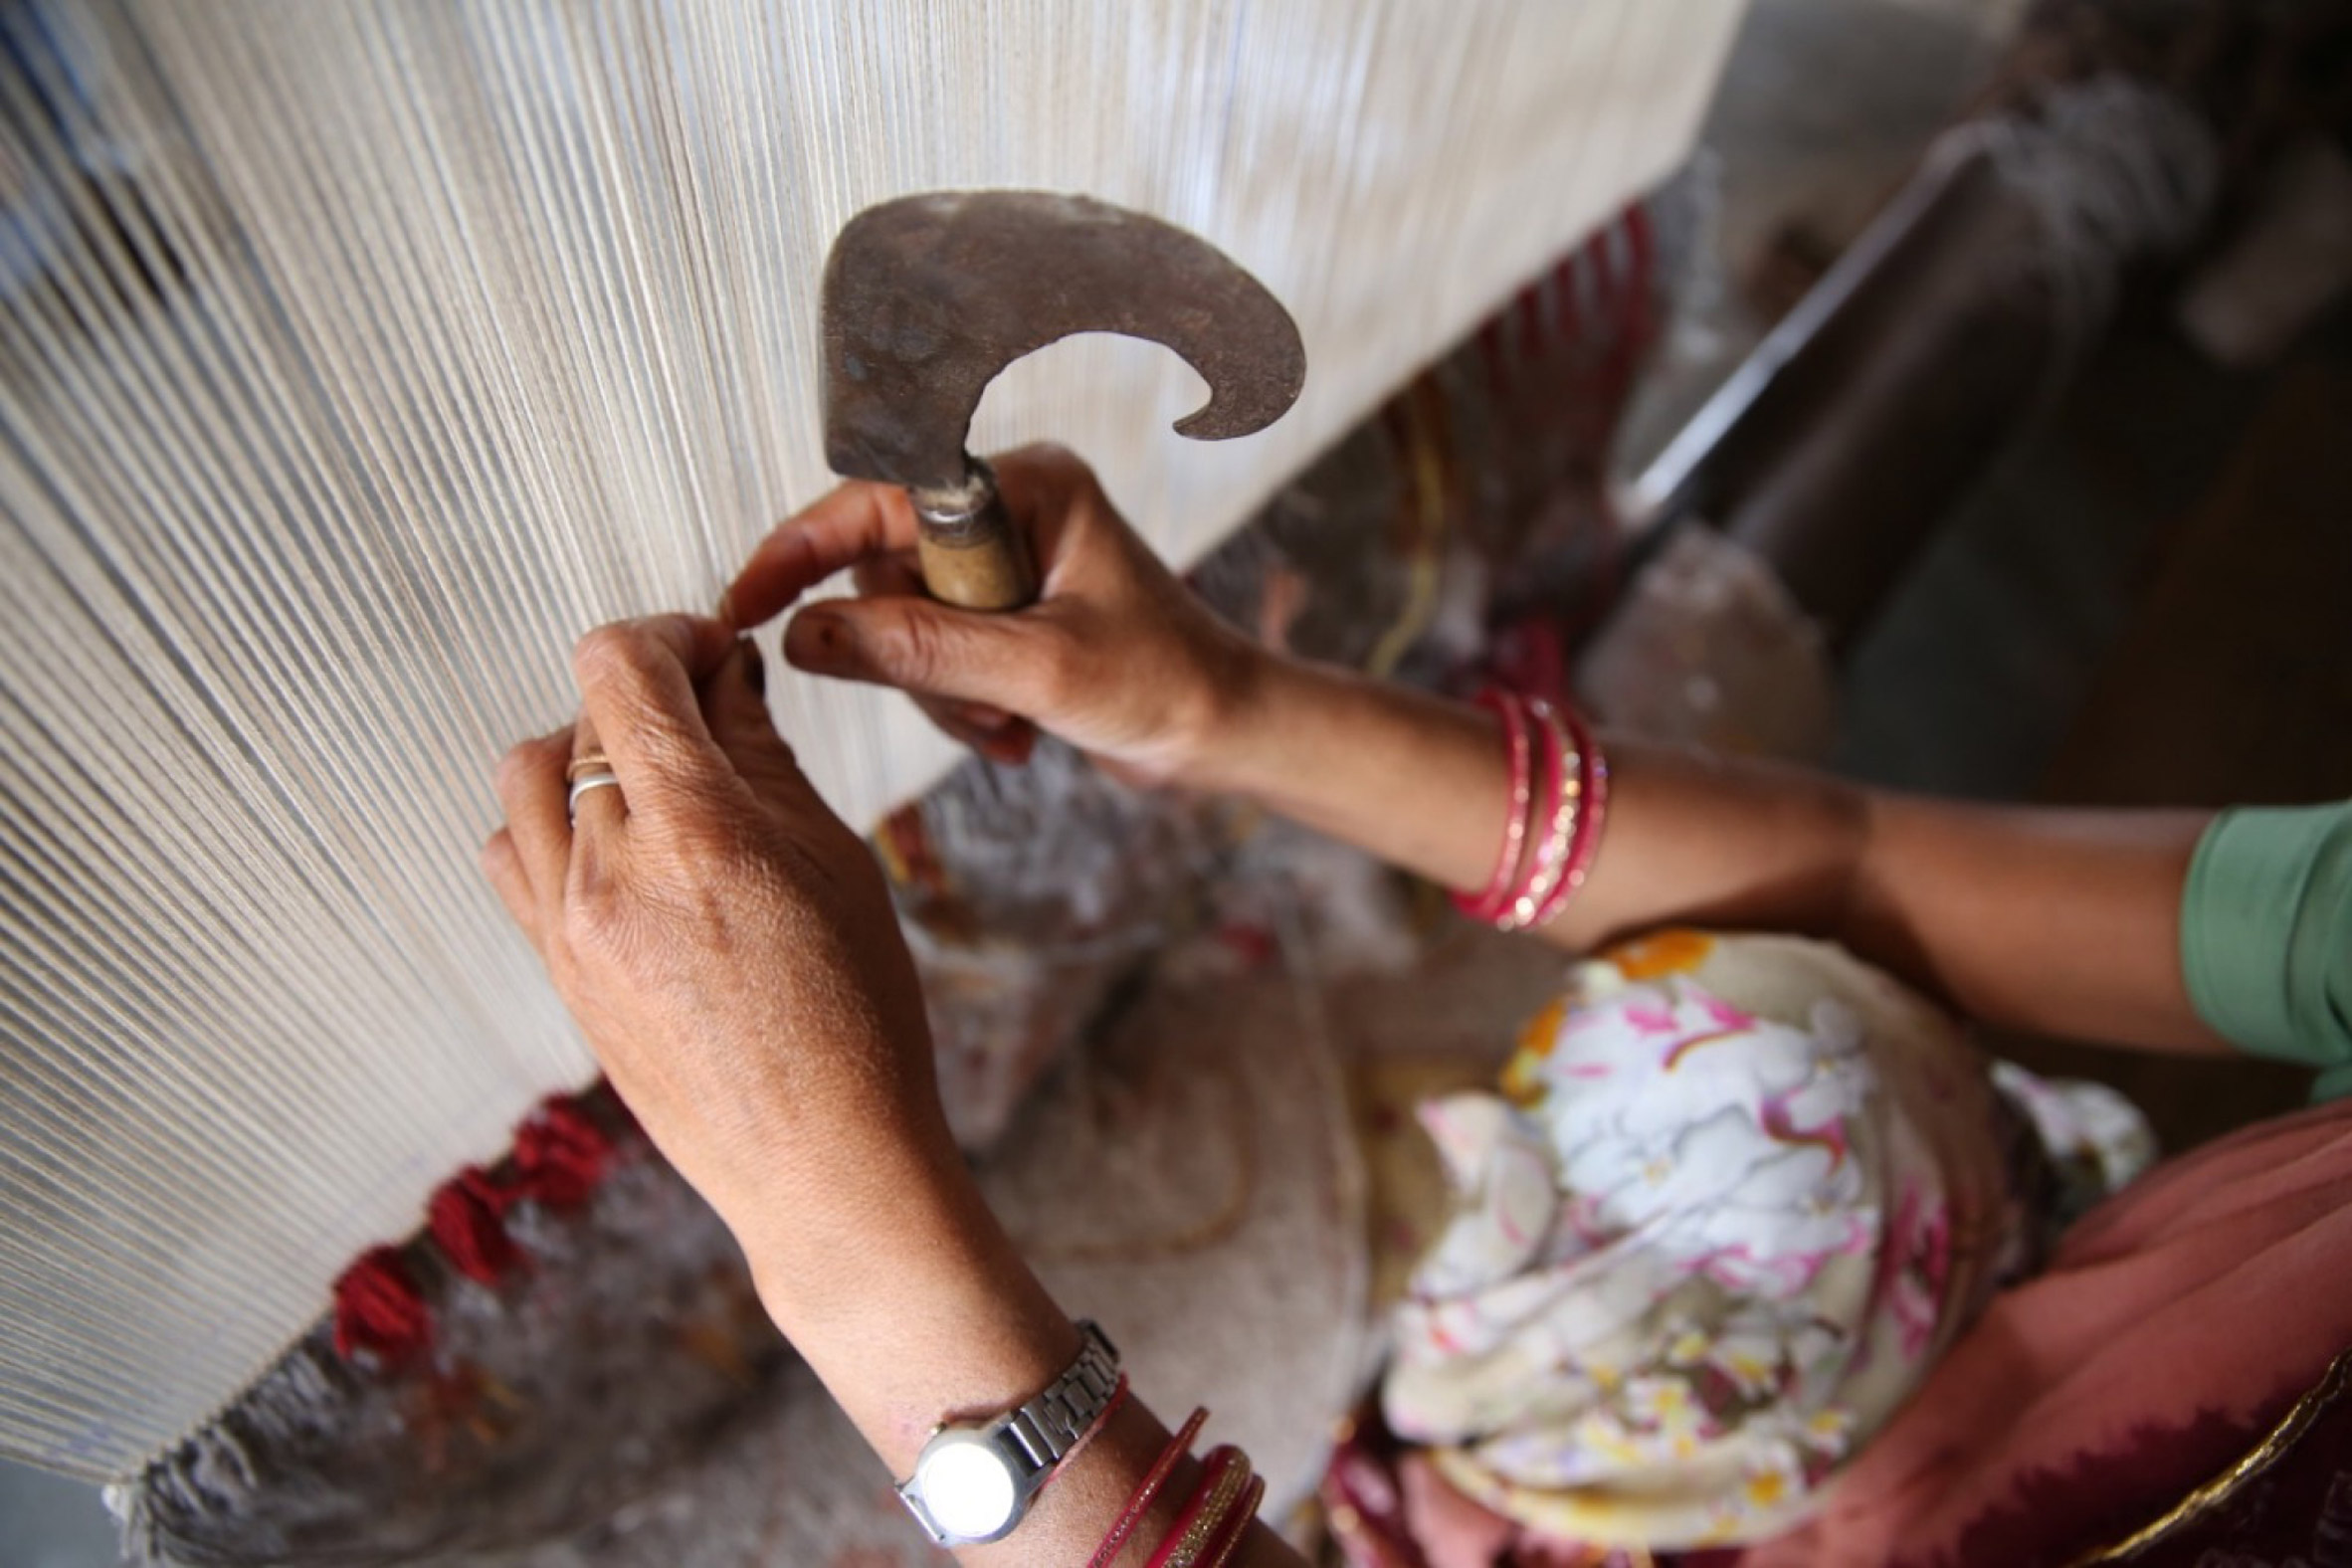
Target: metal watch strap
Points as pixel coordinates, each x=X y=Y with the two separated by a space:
x=1050 y=1426
x=1039 y=1435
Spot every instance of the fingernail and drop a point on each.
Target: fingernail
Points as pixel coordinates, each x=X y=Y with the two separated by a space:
x=818 y=638
x=756 y=668
x=726 y=608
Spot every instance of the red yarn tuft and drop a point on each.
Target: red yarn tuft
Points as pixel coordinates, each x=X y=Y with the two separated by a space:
x=561 y=1151
x=560 y=1154
x=468 y=1220
x=379 y=1309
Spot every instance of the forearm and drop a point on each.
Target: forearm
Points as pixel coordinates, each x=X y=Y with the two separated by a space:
x=2057 y=921
x=1415 y=780
x=924 y=1311
x=1424 y=784
x=934 y=1317
x=2060 y=923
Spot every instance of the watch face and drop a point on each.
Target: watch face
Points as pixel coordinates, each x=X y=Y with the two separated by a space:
x=967 y=1488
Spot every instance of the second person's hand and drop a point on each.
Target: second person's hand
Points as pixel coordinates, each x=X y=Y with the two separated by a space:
x=1117 y=658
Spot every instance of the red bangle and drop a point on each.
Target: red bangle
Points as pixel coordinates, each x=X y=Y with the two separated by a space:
x=1532 y=882
x=1562 y=795
x=1146 y=1489
x=1208 y=1511
x=1486 y=906
x=1220 y=1551
x=1594 y=767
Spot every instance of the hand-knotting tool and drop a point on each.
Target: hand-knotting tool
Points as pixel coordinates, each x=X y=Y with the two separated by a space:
x=926 y=298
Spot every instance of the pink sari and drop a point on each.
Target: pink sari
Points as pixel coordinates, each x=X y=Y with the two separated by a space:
x=2177 y=1325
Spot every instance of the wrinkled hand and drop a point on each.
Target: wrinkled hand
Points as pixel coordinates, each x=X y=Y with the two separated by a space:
x=1116 y=658
x=726 y=942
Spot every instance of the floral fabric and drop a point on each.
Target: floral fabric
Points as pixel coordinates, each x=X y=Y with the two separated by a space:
x=1735 y=1197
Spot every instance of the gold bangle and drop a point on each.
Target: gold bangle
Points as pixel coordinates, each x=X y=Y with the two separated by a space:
x=1204 y=1518
x=1243 y=1511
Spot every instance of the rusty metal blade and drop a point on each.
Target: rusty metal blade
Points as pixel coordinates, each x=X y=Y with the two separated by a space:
x=928 y=298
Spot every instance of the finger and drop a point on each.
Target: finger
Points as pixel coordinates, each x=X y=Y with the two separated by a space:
x=597 y=810
x=1050 y=492
x=854 y=523
x=1011 y=743
x=978 y=720
x=1018 y=663
x=735 y=704
x=503 y=865
x=983 y=727
x=531 y=788
x=1014 y=746
x=863 y=520
x=985 y=717
x=896 y=572
x=638 y=683
x=993 y=734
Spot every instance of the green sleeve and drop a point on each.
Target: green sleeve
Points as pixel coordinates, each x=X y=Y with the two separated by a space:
x=2266 y=936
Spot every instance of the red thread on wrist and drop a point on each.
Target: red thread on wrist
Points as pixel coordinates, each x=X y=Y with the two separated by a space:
x=1146 y=1489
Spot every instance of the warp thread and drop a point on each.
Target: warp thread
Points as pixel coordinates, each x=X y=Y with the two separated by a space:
x=561 y=1151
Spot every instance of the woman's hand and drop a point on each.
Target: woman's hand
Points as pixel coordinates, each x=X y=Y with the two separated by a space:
x=1116 y=658
x=728 y=947
x=726 y=942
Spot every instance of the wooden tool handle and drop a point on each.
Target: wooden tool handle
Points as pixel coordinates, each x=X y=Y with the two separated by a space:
x=971 y=553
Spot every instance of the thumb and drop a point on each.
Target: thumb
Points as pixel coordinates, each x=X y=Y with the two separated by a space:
x=1013 y=661
x=735 y=706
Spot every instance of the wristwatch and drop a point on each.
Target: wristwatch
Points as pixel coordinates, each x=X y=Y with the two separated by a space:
x=973 y=1481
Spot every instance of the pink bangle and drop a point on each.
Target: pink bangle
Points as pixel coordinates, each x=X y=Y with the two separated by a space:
x=1225 y=1476
x=1146 y=1489
x=1506 y=706
x=1563 y=797
x=1581 y=854
x=1245 y=1509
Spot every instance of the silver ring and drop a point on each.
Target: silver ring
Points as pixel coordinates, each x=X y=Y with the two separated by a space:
x=586 y=782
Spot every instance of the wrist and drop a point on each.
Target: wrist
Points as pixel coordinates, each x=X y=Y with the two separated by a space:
x=1247 y=686
x=924 y=1312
